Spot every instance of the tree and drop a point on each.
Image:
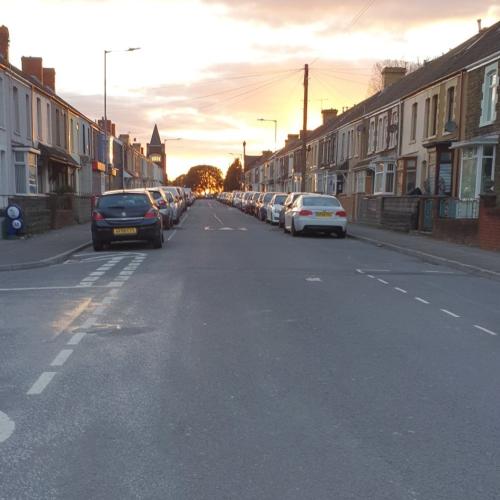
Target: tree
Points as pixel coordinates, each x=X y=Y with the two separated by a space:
x=233 y=176
x=204 y=178
x=376 y=83
x=179 y=181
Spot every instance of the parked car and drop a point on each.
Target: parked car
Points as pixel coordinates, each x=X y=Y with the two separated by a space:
x=178 y=200
x=126 y=215
x=161 y=199
x=258 y=204
x=250 y=208
x=274 y=208
x=263 y=206
x=291 y=197
x=174 y=205
x=316 y=213
x=189 y=196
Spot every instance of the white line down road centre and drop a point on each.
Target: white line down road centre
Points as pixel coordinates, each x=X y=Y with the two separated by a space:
x=7 y=427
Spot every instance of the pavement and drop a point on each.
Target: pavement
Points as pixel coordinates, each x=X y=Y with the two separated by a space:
x=238 y=362
x=44 y=249
x=466 y=258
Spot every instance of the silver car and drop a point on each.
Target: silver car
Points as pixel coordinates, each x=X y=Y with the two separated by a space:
x=316 y=213
x=274 y=208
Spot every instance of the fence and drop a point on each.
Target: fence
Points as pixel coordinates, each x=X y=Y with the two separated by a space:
x=452 y=208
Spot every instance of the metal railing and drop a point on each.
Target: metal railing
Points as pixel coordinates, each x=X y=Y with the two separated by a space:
x=453 y=208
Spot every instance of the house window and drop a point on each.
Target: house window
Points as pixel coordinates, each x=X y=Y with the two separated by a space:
x=414 y=114
x=342 y=148
x=20 y=172
x=360 y=182
x=490 y=95
x=477 y=171
x=28 y=117
x=384 y=178
x=358 y=141
x=71 y=137
x=48 y=123
x=426 y=117
x=382 y=125
x=2 y=109
x=39 y=117
x=76 y=141
x=434 y=115
x=32 y=174
x=394 y=129
x=17 y=119
x=371 y=136
x=450 y=104
x=58 y=127
x=410 y=175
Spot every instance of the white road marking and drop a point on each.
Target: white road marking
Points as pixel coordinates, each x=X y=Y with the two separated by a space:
x=62 y=357
x=485 y=330
x=172 y=235
x=122 y=278
x=39 y=288
x=99 y=310
x=360 y=271
x=218 y=220
x=450 y=313
x=400 y=290
x=75 y=339
x=371 y=276
x=115 y=284
x=242 y=229
x=377 y=270
x=107 y=300
x=422 y=300
x=312 y=278
x=7 y=427
x=89 y=279
x=207 y=228
x=83 y=285
x=382 y=281
x=183 y=220
x=126 y=273
x=42 y=382
x=226 y=229
x=97 y=273
x=88 y=323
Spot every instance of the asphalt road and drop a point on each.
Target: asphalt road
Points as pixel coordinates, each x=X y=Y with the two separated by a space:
x=241 y=363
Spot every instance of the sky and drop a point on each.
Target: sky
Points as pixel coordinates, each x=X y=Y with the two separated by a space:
x=208 y=69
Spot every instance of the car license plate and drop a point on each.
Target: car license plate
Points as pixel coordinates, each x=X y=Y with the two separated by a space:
x=124 y=230
x=323 y=214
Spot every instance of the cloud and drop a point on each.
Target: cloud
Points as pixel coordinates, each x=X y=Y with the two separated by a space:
x=389 y=14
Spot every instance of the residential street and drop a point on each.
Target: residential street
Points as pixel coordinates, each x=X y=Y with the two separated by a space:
x=238 y=362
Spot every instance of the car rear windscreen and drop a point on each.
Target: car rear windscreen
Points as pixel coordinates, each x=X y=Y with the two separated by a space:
x=123 y=200
x=279 y=200
x=320 y=201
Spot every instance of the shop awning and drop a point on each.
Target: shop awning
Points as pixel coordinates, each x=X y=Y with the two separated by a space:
x=58 y=156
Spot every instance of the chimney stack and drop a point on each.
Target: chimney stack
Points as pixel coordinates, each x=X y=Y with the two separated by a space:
x=329 y=114
x=49 y=78
x=479 y=25
x=291 y=138
x=4 y=44
x=32 y=66
x=391 y=75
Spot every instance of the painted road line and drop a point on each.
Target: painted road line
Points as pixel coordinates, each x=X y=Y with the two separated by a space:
x=7 y=427
x=218 y=220
x=371 y=276
x=485 y=330
x=107 y=300
x=126 y=273
x=452 y=314
x=313 y=279
x=421 y=300
x=115 y=284
x=40 y=288
x=122 y=278
x=99 y=310
x=183 y=220
x=42 y=382
x=76 y=338
x=97 y=273
x=383 y=281
x=89 y=279
x=62 y=357
x=400 y=289
x=172 y=235
x=360 y=271
x=88 y=323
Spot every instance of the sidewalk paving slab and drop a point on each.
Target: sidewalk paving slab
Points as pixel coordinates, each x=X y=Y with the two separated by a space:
x=465 y=258
x=44 y=249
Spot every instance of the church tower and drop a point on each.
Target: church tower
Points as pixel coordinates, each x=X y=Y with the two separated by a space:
x=155 y=151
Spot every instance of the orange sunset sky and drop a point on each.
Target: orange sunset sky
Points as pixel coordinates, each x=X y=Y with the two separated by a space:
x=208 y=69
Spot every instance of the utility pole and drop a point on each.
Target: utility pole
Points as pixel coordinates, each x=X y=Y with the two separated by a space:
x=304 y=130
x=243 y=166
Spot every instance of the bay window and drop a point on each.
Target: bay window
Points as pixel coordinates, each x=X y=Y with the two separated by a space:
x=384 y=178
x=490 y=95
x=476 y=171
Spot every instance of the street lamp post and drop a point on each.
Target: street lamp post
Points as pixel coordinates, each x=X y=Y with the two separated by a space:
x=275 y=127
x=106 y=148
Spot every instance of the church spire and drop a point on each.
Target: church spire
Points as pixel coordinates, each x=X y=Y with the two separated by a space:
x=155 y=138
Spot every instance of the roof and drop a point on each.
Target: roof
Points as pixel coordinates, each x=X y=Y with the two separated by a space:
x=57 y=155
x=155 y=138
x=251 y=160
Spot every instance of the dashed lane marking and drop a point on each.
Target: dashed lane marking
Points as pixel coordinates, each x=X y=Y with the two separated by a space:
x=218 y=219
x=313 y=279
x=41 y=383
x=371 y=276
x=449 y=313
x=7 y=427
x=383 y=281
x=423 y=301
x=62 y=357
x=360 y=271
x=400 y=289
x=76 y=338
x=485 y=330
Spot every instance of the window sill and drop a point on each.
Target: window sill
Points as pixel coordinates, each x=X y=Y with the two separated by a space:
x=485 y=124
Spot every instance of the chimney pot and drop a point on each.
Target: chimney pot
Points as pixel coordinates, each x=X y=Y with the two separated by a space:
x=329 y=114
x=4 y=44
x=49 y=78
x=33 y=67
x=391 y=75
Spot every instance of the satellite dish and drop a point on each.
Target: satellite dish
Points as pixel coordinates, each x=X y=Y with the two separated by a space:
x=450 y=126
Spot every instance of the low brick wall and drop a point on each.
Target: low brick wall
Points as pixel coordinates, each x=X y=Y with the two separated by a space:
x=36 y=213
x=369 y=210
x=400 y=213
x=489 y=223
x=461 y=231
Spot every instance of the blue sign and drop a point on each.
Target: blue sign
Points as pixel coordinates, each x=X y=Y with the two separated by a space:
x=15 y=223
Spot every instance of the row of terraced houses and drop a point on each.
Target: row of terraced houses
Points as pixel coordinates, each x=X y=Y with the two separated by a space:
x=419 y=154
x=52 y=157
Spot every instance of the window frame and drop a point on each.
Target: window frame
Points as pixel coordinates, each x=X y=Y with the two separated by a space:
x=485 y=119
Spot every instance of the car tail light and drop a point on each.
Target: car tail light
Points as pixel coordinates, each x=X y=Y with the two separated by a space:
x=305 y=213
x=97 y=216
x=341 y=213
x=151 y=214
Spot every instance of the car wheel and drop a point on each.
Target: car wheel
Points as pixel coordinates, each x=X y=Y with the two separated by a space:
x=158 y=240
x=98 y=245
x=341 y=234
x=293 y=230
